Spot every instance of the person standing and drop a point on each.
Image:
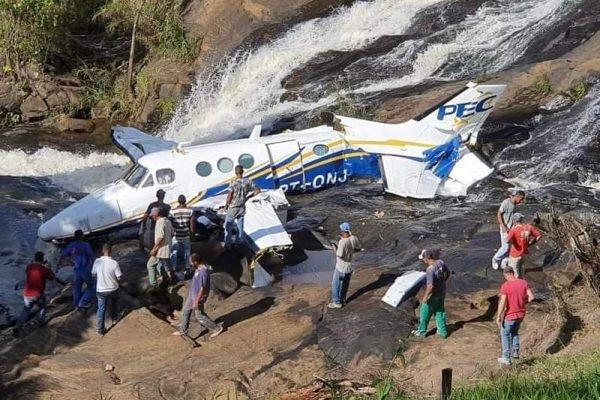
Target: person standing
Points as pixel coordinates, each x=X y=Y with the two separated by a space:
x=505 y=221
x=108 y=274
x=197 y=296
x=160 y=255
x=240 y=190
x=181 y=217
x=514 y=295
x=520 y=237
x=432 y=303
x=146 y=225
x=37 y=273
x=82 y=255
x=344 y=253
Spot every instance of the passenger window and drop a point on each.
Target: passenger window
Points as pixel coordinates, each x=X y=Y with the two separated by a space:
x=165 y=176
x=203 y=168
x=246 y=161
x=149 y=182
x=225 y=164
x=320 y=149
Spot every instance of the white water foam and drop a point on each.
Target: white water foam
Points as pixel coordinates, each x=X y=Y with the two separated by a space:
x=74 y=172
x=248 y=88
x=488 y=41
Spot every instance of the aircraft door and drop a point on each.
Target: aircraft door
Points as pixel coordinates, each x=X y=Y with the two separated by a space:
x=286 y=165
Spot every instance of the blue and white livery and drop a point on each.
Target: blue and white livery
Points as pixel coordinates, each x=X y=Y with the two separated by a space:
x=420 y=158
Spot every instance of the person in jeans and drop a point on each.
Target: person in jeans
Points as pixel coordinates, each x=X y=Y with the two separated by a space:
x=108 y=274
x=160 y=255
x=82 y=255
x=197 y=296
x=181 y=217
x=520 y=237
x=514 y=295
x=505 y=221
x=344 y=253
x=240 y=190
x=432 y=303
x=37 y=273
x=147 y=227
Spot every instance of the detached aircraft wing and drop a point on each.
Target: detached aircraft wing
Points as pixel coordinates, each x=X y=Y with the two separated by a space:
x=136 y=143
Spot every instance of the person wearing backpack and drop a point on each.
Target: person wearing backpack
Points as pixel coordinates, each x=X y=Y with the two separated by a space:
x=432 y=303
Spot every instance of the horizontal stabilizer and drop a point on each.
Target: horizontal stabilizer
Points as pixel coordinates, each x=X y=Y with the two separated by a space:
x=136 y=143
x=402 y=287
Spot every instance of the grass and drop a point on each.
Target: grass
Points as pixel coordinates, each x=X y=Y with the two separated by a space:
x=577 y=91
x=542 y=85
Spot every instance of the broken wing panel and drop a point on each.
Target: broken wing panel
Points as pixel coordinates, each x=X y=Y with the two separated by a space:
x=136 y=143
x=262 y=226
x=408 y=177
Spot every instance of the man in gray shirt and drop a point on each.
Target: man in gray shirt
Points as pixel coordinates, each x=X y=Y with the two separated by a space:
x=240 y=190
x=160 y=255
x=505 y=221
x=344 y=253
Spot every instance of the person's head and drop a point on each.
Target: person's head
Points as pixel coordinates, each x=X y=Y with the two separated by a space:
x=160 y=195
x=181 y=200
x=163 y=212
x=78 y=235
x=427 y=256
x=239 y=171
x=154 y=213
x=195 y=260
x=38 y=257
x=106 y=249
x=518 y=218
x=509 y=273
x=345 y=229
x=518 y=197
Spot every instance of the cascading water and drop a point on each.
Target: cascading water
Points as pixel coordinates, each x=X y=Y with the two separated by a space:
x=247 y=89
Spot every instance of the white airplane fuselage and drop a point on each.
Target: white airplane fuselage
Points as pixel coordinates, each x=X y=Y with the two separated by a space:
x=295 y=161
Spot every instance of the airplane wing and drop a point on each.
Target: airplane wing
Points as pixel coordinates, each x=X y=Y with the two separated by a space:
x=136 y=143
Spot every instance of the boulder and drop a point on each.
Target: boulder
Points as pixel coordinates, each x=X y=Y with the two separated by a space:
x=10 y=97
x=64 y=123
x=173 y=90
x=33 y=108
x=45 y=89
x=148 y=112
x=57 y=99
x=556 y=104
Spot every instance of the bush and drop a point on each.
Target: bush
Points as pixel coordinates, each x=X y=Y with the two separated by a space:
x=542 y=85
x=578 y=91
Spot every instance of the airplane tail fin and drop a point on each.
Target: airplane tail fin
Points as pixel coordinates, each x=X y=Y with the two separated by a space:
x=464 y=112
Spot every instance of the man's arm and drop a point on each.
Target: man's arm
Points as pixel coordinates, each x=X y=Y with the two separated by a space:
x=537 y=235
x=198 y=297
x=428 y=292
x=530 y=296
x=501 y=310
x=229 y=198
x=501 y=220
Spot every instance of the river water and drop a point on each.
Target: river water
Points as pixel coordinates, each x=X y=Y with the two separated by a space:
x=559 y=162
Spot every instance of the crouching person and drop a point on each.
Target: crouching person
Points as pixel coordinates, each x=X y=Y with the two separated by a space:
x=432 y=303
x=197 y=296
x=108 y=274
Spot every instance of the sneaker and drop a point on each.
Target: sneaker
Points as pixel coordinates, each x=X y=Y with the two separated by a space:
x=503 y=361
x=495 y=263
x=516 y=356
x=334 y=305
x=176 y=333
x=217 y=332
x=416 y=333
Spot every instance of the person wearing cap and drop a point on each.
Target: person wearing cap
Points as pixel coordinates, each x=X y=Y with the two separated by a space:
x=149 y=224
x=432 y=303
x=520 y=237
x=240 y=190
x=344 y=252
x=505 y=220
x=160 y=254
x=514 y=295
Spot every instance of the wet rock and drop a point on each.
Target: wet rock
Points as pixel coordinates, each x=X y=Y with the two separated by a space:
x=174 y=90
x=365 y=328
x=64 y=123
x=556 y=104
x=33 y=108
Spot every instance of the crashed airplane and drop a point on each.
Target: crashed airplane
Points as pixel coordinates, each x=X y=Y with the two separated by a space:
x=420 y=158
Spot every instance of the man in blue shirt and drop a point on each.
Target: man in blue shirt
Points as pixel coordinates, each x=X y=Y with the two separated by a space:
x=199 y=290
x=82 y=256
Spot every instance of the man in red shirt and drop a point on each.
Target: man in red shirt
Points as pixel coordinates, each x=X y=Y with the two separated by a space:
x=514 y=295
x=37 y=273
x=520 y=237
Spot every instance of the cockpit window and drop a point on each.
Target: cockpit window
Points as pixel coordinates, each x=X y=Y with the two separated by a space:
x=165 y=176
x=135 y=175
x=149 y=181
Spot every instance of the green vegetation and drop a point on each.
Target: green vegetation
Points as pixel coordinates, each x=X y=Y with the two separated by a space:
x=542 y=85
x=577 y=91
x=551 y=378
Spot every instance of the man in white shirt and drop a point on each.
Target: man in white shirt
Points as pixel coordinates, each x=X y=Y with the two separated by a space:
x=108 y=274
x=159 y=262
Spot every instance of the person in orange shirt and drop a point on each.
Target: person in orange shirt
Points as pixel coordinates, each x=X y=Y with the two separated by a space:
x=520 y=237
